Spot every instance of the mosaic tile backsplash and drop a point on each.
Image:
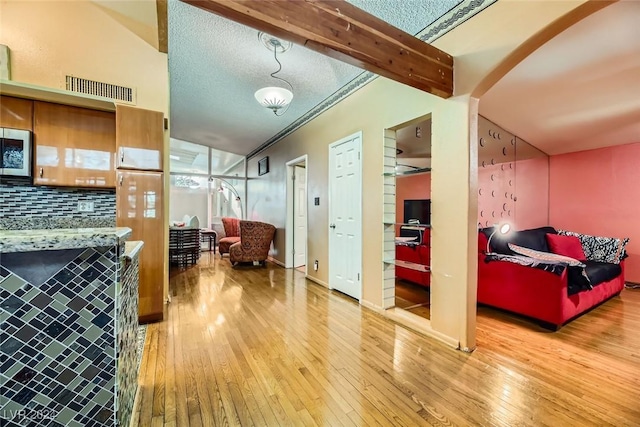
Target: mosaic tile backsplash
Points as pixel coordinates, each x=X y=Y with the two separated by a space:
x=58 y=340
x=19 y=198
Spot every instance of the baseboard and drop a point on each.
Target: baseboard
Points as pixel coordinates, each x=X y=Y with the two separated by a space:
x=276 y=262
x=135 y=411
x=371 y=306
x=318 y=281
x=413 y=322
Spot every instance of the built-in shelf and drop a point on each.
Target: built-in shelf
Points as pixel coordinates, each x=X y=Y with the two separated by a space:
x=58 y=96
x=407 y=224
x=410 y=265
x=409 y=172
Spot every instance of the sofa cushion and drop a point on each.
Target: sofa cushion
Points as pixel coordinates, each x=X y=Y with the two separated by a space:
x=599 y=272
x=534 y=238
x=565 y=245
x=602 y=249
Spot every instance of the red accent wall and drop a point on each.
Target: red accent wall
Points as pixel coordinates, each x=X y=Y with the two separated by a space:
x=597 y=192
x=411 y=187
x=532 y=191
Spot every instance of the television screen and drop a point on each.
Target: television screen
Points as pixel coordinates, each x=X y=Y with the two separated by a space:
x=417 y=210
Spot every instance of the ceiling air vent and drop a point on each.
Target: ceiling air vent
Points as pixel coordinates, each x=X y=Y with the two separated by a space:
x=106 y=90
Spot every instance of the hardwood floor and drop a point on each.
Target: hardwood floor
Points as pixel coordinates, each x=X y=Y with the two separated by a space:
x=264 y=346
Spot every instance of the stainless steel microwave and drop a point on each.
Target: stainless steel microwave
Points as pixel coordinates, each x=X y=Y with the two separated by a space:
x=15 y=152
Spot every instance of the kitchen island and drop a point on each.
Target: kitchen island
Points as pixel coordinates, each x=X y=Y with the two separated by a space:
x=68 y=326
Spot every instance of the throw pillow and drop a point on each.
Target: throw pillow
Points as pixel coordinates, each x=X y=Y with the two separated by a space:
x=545 y=256
x=566 y=245
x=601 y=249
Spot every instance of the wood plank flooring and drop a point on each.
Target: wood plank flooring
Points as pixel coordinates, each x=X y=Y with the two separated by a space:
x=265 y=347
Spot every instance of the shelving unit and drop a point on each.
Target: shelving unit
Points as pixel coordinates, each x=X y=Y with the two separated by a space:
x=410 y=265
x=411 y=259
x=407 y=224
x=409 y=172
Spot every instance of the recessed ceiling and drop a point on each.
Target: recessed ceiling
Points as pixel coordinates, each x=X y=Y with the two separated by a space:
x=216 y=65
x=580 y=90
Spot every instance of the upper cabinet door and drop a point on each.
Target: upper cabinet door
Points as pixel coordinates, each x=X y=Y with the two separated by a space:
x=139 y=138
x=73 y=146
x=16 y=113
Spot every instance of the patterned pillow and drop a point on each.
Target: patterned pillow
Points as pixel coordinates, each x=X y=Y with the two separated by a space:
x=601 y=249
x=547 y=257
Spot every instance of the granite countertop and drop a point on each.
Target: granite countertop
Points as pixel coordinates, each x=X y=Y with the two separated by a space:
x=132 y=249
x=61 y=238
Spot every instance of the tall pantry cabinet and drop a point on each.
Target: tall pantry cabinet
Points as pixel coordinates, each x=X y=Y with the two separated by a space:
x=140 y=199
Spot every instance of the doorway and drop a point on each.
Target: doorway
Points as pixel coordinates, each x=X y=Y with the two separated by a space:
x=412 y=216
x=345 y=216
x=296 y=225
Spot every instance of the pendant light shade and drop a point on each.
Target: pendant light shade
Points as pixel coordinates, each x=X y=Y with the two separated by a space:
x=274 y=97
x=277 y=99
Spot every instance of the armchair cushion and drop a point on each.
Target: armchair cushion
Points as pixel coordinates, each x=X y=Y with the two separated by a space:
x=255 y=242
x=231 y=234
x=231 y=226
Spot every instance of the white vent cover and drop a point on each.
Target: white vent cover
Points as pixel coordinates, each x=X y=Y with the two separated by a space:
x=106 y=90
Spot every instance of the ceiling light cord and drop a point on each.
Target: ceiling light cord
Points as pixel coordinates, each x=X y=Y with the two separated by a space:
x=275 y=56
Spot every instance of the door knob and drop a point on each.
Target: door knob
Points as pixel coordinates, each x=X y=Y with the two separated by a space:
x=332 y=226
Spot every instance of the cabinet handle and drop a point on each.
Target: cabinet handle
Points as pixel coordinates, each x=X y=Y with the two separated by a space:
x=121 y=155
x=120 y=180
x=41 y=173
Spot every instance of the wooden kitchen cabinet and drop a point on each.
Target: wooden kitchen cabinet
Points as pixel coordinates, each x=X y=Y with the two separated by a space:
x=16 y=113
x=139 y=138
x=139 y=206
x=74 y=146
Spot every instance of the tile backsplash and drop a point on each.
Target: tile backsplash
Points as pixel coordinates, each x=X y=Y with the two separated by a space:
x=20 y=198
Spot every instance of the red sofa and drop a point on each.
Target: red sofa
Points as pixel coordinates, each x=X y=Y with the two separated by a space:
x=536 y=293
x=418 y=259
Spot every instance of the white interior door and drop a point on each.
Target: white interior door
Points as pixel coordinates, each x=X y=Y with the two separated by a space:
x=300 y=216
x=345 y=219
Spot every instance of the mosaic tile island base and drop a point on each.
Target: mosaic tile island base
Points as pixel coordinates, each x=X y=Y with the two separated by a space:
x=68 y=327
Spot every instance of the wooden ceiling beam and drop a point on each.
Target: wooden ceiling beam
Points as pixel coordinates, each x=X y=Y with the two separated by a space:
x=163 y=26
x=342 y=31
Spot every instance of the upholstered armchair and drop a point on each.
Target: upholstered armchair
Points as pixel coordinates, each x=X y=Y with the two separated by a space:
x=254 y=244
x=232 y=234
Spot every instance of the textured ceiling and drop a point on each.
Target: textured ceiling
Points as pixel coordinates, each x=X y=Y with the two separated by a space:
x=579 y=91
x=216 y=65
